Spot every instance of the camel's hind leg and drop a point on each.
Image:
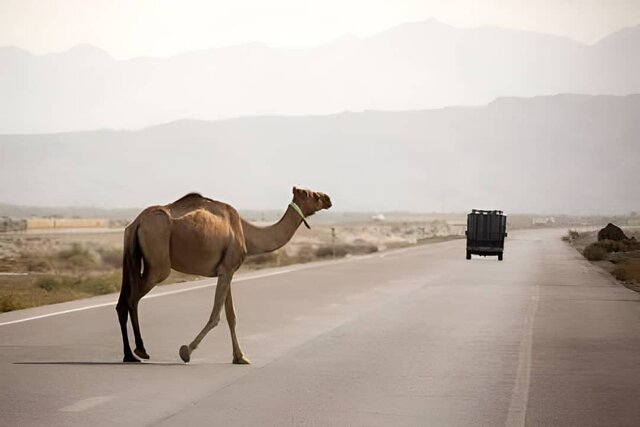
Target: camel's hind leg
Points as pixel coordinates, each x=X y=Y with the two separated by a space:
x=154 y=234
x=123 y=313
x=149 y=280
x=130 y=278
x=238 y=356
x=222 y=289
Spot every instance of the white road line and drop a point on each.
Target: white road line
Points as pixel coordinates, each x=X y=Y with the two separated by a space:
x=42 y=316
x=85 y=404
x=520 y=394
x=155 y=295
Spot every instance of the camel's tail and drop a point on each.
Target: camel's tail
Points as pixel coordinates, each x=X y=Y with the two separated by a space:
x=131 y=262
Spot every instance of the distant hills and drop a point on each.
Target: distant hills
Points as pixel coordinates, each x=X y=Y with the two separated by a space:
x=554 y=154
x=413 y=66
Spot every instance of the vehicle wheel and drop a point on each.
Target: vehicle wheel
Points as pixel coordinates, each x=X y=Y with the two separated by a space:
x=499 y=257
x=468 y=255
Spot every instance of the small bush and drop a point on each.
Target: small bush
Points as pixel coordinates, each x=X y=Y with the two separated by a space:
x=363 y=249
x=99 y=285
x=328 y=251
x=305 y=254
x=612 y=245
x=620 y=273
x=9 y=303
x=571 y=236
x=628 y=271
x=343 y=250
x=598 y=251
x=110 y=257
x=595 y=252
x=76 y=257
x=279 y=258
x=92 y=285
x=47 y=283
x=38 y=265
x=262 y=259
x=632 y=244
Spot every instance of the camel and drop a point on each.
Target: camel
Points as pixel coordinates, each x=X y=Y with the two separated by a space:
x=201 y=236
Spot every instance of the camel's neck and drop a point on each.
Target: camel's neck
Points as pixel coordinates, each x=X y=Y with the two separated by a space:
x=266 y=239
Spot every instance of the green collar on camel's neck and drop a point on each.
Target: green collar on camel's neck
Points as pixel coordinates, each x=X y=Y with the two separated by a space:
x=297 y=209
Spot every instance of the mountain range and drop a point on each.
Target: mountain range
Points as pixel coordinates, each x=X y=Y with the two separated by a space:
x=574 y=154
x=421 y=65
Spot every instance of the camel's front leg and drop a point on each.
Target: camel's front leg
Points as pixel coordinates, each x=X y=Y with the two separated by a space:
x=238 y=356
x=222 y=289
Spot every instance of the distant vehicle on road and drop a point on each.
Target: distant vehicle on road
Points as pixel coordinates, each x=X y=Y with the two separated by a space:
x=485 y=233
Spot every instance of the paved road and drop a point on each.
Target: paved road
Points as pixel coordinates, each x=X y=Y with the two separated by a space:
x=412 y=337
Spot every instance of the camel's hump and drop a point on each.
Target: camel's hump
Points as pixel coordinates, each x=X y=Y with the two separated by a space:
x=193 y=195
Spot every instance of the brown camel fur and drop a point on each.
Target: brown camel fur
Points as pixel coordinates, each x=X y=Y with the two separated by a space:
x=197 y=235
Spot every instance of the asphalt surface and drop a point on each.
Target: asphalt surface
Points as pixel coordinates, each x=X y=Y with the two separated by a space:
x=410 y=337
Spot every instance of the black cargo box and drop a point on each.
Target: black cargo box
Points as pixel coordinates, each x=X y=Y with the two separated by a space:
x=486 y=231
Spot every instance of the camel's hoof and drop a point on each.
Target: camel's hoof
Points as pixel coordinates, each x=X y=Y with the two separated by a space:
x=185 y=354
x=141 y=353
x=241 y=361
x=130 y=359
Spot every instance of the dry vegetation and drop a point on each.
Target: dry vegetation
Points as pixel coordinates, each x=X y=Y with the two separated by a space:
x=598 y=251
x=46 y=268
x=620 y=258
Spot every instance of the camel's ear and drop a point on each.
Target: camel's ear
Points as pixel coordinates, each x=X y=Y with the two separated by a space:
x=294 y=190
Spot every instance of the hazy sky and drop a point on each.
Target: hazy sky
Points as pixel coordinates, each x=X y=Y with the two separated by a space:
x=127 y=28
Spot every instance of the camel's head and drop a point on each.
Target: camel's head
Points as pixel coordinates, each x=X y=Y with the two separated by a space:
x=309 y=201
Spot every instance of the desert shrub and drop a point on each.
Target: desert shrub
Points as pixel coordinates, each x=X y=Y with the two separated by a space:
x=98 y=285
x=76 y=257
x=92 y=285
x=9 y=303
x=324 y=252
x=262 y=259
x=342 y=250
x=305 y=253
x=47 y=283
x=74 y=250
x=280 y=258
x=612 y=245
x=598 y=251
x=328 y=251
x=110 y=257
x=620 y=273
x=632 y=244
x=362 y=249
x=571 y=236
x=628 y=271
x=39 y=264
x=32 y=261
x=595 y=252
